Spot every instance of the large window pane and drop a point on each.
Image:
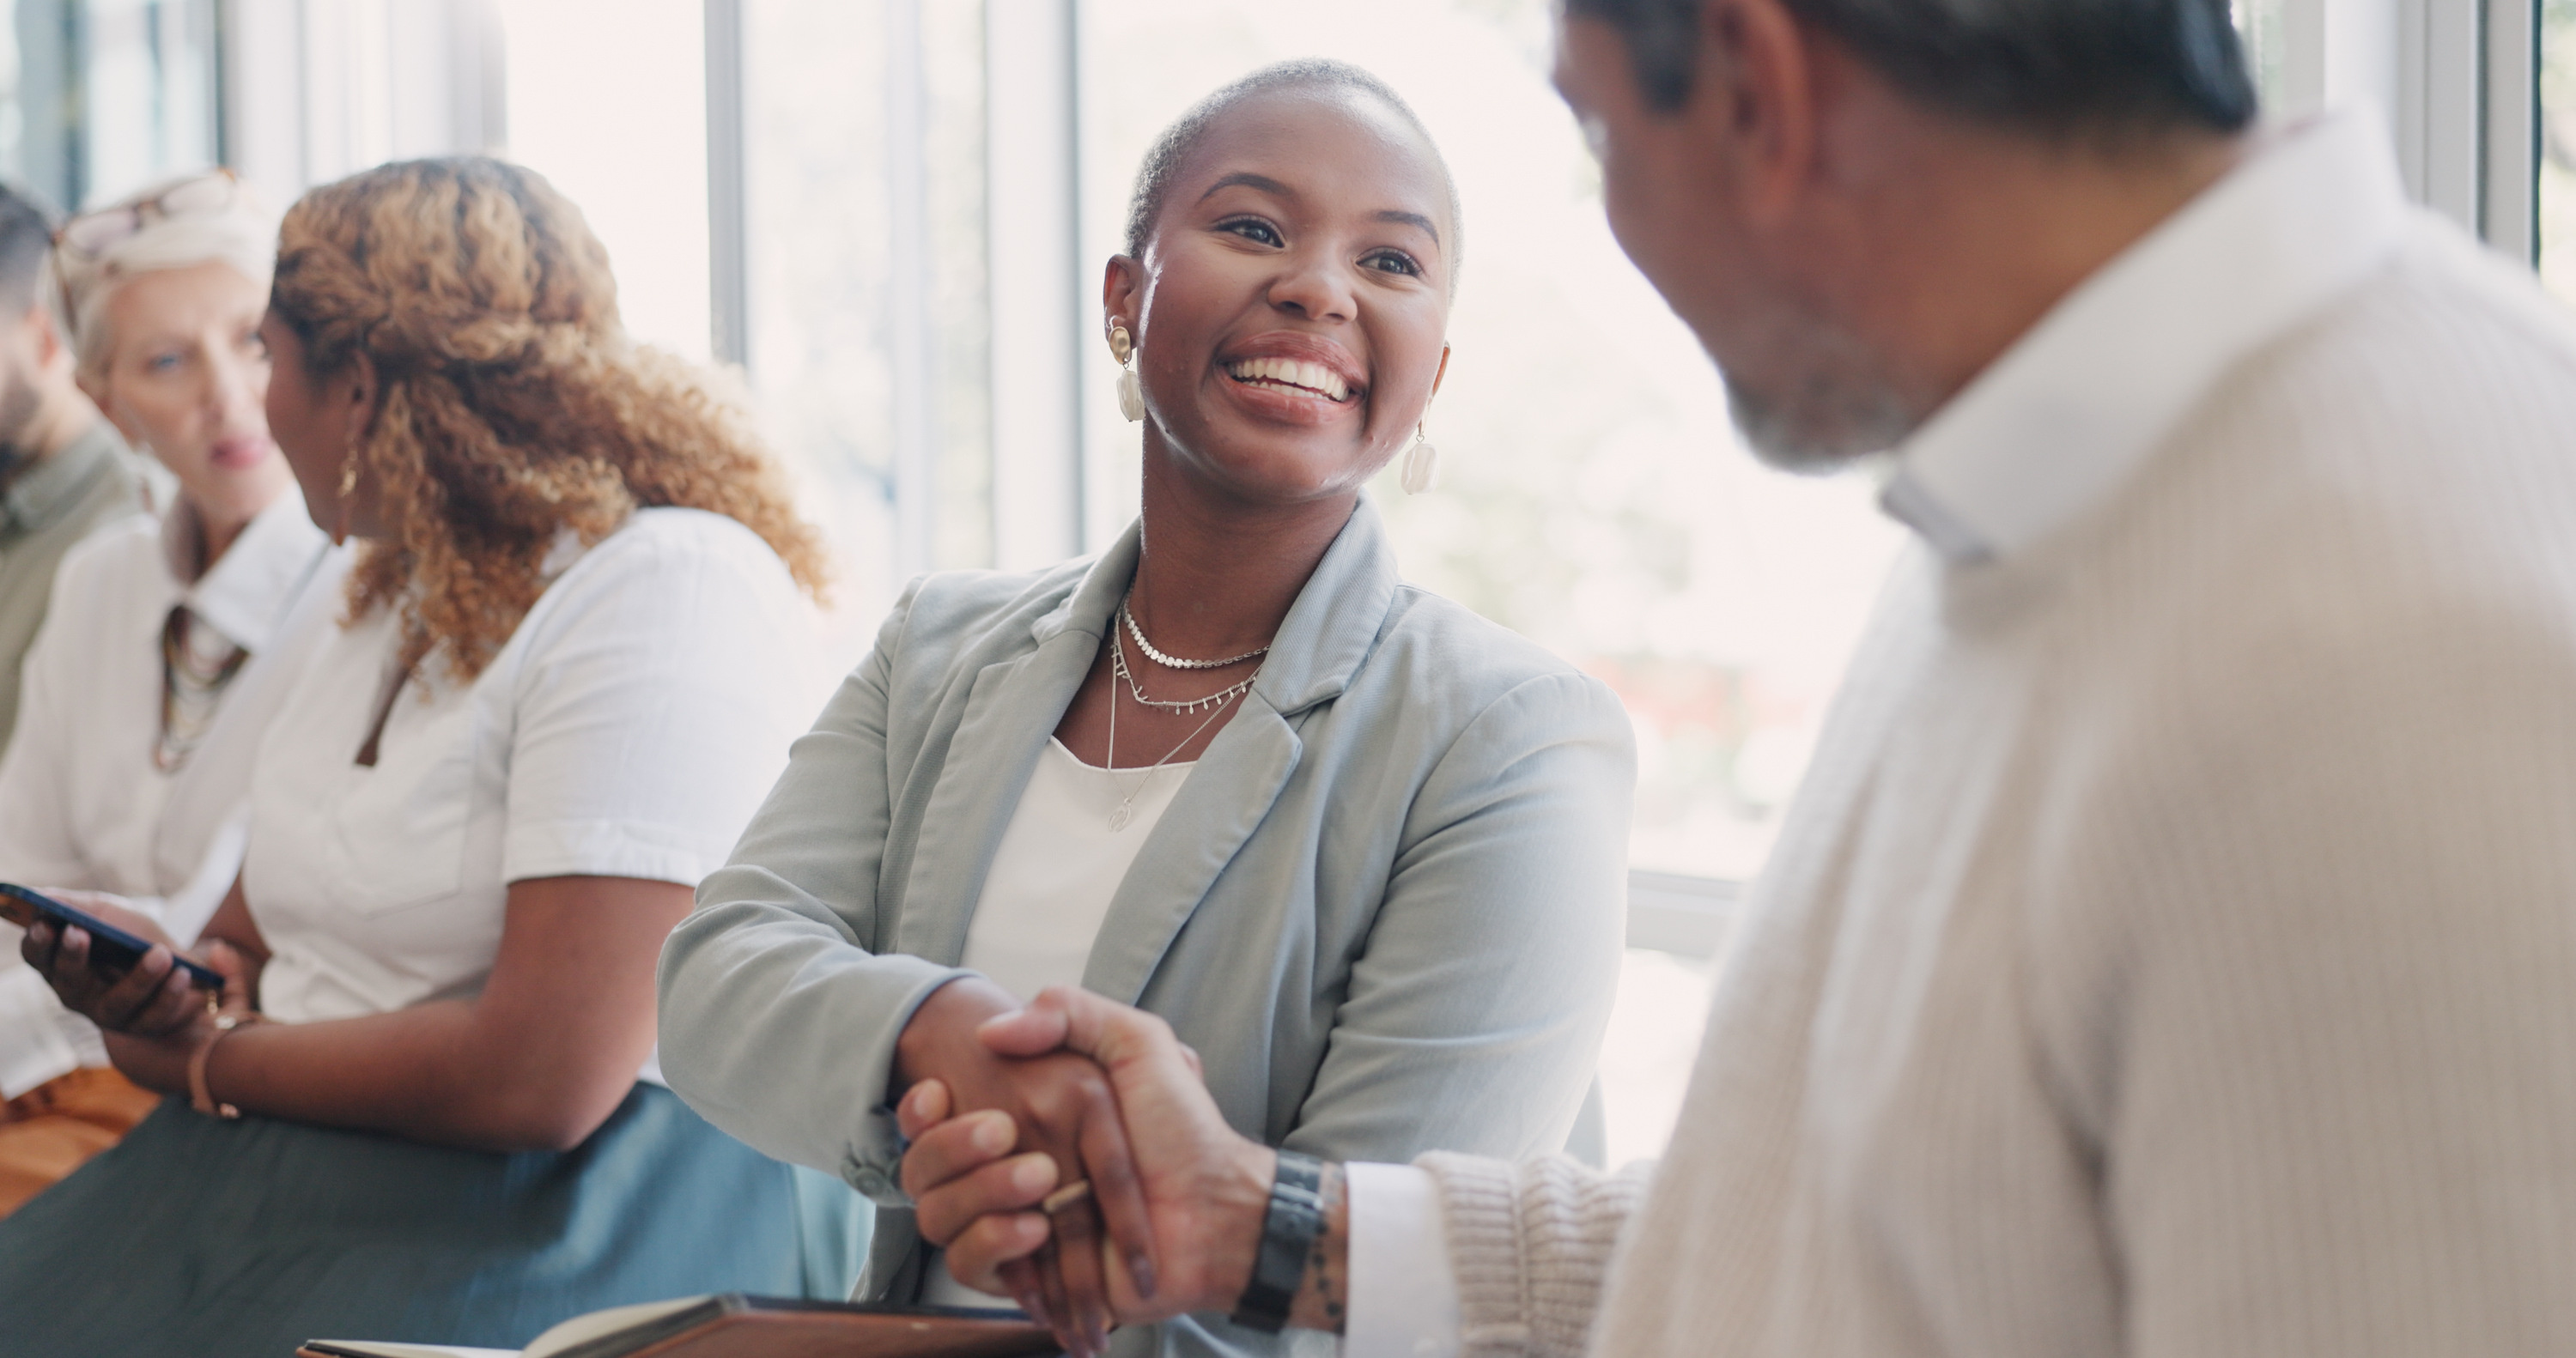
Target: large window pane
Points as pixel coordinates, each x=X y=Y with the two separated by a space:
x=151 y=92
x=2259 y=26
x=609 y=103
x=862 y=210
x=100 y=97
x=2558 y=146
x=865 y=218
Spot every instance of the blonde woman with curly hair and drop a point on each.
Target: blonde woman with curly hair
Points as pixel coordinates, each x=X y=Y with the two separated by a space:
x=573 y=655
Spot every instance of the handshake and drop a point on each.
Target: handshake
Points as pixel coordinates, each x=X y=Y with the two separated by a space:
x=1095 y=1181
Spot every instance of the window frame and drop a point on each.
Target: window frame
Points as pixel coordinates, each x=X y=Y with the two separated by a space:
x=2457 y=82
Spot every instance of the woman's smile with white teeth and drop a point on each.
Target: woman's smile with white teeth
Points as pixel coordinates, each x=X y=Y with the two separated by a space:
x=1291 y=372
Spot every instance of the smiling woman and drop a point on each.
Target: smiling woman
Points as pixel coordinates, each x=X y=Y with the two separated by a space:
x=1363 y=849
x=1322 y=299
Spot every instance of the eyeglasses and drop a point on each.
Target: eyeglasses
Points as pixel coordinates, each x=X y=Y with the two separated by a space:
x=94 y=233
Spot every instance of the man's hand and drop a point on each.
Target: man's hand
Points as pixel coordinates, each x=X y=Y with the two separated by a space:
x=1206 y=1189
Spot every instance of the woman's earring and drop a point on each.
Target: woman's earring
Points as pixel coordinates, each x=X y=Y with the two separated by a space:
x=348 y=487
x=1131 y=392
x=1421 y=464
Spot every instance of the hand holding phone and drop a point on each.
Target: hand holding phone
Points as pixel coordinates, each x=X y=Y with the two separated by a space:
x=112 y=951
x=106 y=990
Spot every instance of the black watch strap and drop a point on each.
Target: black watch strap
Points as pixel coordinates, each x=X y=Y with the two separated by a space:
x=1288 y=1232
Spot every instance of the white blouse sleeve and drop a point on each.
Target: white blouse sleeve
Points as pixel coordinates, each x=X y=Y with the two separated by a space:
x=654 y=709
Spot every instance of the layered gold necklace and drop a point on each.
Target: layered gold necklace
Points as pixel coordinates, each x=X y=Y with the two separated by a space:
x=1125 y=813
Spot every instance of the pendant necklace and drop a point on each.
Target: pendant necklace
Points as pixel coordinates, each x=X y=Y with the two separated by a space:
x=193 y=679
x=1184 y=707
x=1125 y=814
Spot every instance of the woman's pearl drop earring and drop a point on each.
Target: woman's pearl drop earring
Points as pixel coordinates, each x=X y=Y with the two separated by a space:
x=1131 y=392
x=1421 y=464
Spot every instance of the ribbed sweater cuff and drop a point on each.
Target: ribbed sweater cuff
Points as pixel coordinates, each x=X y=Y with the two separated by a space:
x=1530 y=1243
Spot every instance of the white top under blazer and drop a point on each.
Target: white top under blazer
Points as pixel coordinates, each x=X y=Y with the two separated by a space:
x=1058 y=867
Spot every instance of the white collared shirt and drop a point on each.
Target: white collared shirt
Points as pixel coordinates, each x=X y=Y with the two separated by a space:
x=83 y=804
x=628 y=728
x=2059 y=421
x=2046 y=434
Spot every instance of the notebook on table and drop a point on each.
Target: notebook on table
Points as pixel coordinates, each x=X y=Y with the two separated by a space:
x=736 y=1326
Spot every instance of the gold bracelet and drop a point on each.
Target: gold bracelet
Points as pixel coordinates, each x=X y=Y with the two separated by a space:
x=199 y=1097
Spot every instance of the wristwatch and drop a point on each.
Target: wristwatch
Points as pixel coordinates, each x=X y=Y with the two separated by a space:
x=1288 y=1231
x=198 y=1096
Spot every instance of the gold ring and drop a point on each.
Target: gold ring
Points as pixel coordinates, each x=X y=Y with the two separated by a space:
x=1065 y=1197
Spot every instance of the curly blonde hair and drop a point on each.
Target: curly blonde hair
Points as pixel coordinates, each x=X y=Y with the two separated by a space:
x=512 y=404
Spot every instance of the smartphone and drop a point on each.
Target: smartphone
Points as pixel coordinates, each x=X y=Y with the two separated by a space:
x=112 y=951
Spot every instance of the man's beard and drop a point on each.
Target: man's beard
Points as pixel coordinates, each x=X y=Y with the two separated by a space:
x=1838 y=404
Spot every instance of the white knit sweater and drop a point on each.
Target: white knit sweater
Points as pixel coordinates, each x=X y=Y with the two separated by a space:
x=2174 y=949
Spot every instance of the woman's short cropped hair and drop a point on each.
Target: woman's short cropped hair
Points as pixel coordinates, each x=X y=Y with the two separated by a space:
x=513 y=407
x=1172 y=148
x=233 y=227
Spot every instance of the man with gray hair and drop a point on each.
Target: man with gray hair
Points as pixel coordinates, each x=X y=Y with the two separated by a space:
x=63 y=471
x=2173 y=950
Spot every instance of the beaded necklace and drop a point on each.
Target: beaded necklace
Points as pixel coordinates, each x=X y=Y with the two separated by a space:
x=193 y=679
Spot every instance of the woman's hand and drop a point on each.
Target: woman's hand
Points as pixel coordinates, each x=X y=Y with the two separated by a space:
x=1061 y=1106
x=1025 y=1255
x=154 y=1016
x=154 y=998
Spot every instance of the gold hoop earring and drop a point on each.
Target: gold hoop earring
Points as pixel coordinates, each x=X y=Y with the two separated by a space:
x=1131 y=390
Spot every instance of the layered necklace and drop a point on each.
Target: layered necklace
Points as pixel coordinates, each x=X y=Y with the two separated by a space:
x=1125 y=814
x=196 y=666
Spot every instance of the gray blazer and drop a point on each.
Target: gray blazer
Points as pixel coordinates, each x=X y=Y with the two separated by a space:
x=1386 y=908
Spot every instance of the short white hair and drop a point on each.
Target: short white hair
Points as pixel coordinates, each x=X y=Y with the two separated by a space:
x=243 y=234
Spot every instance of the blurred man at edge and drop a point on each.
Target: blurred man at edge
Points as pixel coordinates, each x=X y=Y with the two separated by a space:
x=63 y=471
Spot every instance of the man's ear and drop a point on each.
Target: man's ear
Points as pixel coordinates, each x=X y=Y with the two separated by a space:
x=44 y=341
x=1122 y=288
x=1755 y=93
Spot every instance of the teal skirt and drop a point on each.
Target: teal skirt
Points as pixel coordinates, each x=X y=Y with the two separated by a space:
x=197 y=1238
